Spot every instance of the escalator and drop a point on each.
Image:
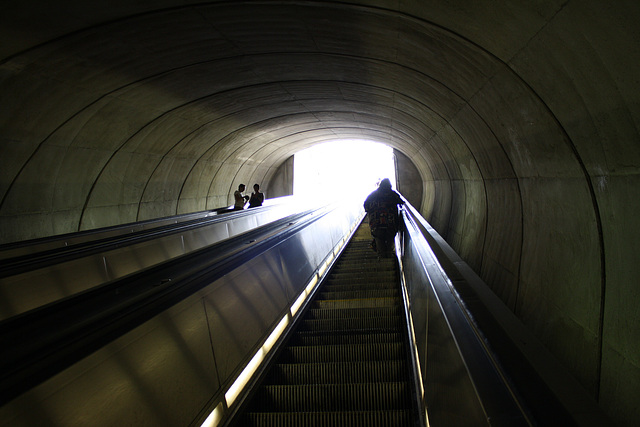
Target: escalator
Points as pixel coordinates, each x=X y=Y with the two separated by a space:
x=347 y=361
x=178 y=343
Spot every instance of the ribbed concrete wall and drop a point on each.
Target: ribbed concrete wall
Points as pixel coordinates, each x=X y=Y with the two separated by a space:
x=521 y=117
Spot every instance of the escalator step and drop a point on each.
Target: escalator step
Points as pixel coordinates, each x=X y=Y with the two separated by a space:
x=338 y=372
x=370 y=324
x=324 y=419
x=377 y=277
x=355 y=303
x=303 y=338
x=362 y=252
x=376 y=293
x=357 y=285
x=349 y=313
x=342 y=353
x=355 y=266
x=333 y=397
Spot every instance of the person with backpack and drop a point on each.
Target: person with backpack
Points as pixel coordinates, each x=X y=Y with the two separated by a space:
x=382 y=207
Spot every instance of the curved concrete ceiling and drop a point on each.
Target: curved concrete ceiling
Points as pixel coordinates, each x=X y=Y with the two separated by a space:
x=520 y=117
x=181 y=104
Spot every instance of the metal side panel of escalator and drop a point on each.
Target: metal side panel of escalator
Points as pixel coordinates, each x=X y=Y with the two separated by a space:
x=347 y=361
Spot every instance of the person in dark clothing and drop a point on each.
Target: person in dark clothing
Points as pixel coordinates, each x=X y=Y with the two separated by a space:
x=382 y=207
x=239 y=198
x=256 y=198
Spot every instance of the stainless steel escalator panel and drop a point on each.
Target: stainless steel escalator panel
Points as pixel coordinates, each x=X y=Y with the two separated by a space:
x=242 y=308
x=171 y=369
x=25 y=291
x=156 y=375
x=65 y=240
x=464 y=386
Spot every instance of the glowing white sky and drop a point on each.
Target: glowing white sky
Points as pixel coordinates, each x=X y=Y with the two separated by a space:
x=342 y=168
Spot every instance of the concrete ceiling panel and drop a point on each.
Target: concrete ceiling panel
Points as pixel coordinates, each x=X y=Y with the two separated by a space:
x=593 y=97
x=532 y=139
x=134 y=169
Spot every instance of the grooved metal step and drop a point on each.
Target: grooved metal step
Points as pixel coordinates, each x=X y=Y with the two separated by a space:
x=355 y=303
x=368 y=324
x=351 y=313
x=359 y=294
x=324 y=419
x=382 y=276
x=332 y=397
x=348 y=352
x=342 y=286
x=343 y=337
x=338 y=372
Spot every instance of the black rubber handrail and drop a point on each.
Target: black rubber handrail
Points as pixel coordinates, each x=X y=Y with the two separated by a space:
x=49 y=257
x=112 y=230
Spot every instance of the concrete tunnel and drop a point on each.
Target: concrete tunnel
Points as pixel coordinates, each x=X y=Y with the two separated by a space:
x=514 y=123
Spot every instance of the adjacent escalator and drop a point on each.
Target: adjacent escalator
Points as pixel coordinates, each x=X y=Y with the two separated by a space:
x=347 y=361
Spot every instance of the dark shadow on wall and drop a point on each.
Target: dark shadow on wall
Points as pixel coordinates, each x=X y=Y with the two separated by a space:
x=408 y=179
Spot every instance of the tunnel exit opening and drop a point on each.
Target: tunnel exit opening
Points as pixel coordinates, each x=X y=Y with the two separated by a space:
x=343 y=168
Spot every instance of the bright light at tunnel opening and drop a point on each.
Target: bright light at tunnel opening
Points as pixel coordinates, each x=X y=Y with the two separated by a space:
x=344 y=168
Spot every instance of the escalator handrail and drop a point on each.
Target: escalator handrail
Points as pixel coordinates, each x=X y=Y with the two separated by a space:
x=37 y=344
x=58 y=241
x=498 y=399
x=30 y=262
x=552 y=394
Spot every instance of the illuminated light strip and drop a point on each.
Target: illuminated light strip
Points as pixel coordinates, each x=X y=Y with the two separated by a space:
x=303 y=296
x=325 y=265
x=311 y=284
x=322 y=269
x=296 y=305
x=242 y=380
x=412 y=330
x=273 y=338
x=415 y=349
x=214 y=417
x=238 y=385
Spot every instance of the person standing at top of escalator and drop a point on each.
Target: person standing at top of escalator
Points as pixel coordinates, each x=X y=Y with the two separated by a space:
x=382 y=207
x=239 y=198
x=257 y=198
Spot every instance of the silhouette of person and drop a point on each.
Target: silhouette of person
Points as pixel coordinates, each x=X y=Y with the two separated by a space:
x=239 y=198
x=382 y=207
x=256 y=198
